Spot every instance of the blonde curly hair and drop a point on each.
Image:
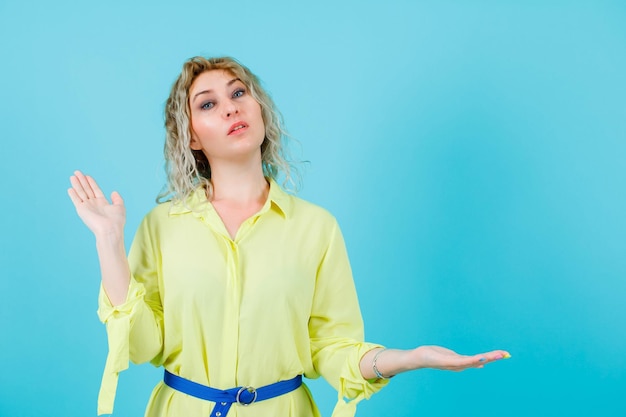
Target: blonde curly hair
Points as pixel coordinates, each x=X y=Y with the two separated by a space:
x=188 y=169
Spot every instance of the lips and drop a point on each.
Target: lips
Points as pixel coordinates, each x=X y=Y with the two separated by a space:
x=237 y=127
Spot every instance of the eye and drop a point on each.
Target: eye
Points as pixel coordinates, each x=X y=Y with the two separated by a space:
x=239 y=92
x=207 y=105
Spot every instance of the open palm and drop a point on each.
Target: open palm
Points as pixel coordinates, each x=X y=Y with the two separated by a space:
x=438 y=357
x=100 y=216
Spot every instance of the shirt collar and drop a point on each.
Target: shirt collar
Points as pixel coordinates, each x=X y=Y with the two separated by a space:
x=280 y=199
x=198 y=204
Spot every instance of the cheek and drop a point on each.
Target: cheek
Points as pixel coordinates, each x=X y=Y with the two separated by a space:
x=202 y=128
x=259 y=116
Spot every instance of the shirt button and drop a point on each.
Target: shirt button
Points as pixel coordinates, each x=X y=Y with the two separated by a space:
x=218 y=414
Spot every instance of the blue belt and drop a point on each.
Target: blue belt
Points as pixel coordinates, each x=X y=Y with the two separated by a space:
x=223 y=399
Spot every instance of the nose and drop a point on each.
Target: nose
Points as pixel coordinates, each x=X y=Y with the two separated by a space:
x=230 y=109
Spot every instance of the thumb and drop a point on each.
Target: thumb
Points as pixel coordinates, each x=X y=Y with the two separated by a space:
x=116 y=199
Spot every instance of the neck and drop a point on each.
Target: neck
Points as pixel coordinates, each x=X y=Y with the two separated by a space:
x=237 y=183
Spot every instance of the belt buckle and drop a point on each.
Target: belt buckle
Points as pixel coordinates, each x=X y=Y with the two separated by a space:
x=251 y=390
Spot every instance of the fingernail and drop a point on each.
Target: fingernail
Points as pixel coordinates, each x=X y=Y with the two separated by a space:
x=506 y=356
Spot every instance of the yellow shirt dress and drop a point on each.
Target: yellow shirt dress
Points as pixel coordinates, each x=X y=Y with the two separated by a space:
x=275 y=302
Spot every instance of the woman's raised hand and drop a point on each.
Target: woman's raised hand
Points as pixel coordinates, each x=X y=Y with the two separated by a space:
x=106 y=220
x=100 y=216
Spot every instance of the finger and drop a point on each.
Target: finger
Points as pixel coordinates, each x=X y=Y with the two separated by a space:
x=85 y=184
x=493 y=356
x=477 y=361
x=78 y=188
x=94 y=186
x=117 y=199
x=498 y=354
x=74 y=197
x=466 y=362
x=459 y=363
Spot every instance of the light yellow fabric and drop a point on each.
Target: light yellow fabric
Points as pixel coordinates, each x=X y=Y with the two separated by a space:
x=275 y=302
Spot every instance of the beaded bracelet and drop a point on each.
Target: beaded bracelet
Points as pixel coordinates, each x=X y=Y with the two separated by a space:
x=375 y=369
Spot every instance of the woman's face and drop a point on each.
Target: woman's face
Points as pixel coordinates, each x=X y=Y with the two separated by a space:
x=226 y=121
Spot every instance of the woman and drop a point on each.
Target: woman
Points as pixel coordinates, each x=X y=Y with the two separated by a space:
x=233 y=283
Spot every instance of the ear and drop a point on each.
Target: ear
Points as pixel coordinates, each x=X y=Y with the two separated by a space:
x=195 y=144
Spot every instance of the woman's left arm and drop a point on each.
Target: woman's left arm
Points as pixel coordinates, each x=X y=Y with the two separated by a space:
x=390 y=362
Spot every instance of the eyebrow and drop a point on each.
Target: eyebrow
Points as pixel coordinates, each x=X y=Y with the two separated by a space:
x=228 y=84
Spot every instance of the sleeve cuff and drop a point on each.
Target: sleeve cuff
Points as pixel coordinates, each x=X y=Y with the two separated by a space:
x=106 y=310
x=353 y=387
x=117 y=320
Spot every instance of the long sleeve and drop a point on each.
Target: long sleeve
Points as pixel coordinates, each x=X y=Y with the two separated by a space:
x=336 y=330
x=134 y=328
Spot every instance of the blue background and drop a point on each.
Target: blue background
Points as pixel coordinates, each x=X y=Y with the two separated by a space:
x=473 y=153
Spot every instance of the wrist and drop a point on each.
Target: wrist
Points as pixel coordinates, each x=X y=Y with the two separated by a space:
x=375 y=365
x=109 y=237
x=406 y=361
x=386 y=363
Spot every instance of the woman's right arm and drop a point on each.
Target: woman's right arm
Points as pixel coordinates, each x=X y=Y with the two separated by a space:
x=129 y=305
x=106 y=221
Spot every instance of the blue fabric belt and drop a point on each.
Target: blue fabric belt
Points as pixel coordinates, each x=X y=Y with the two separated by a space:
x=223 y=399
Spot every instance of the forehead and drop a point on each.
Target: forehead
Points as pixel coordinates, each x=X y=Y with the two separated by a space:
x=212 y=80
